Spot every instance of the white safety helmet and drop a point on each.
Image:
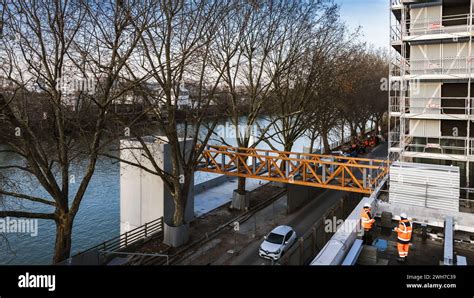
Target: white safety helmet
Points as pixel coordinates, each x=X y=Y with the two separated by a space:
x=403 y=215
x=367 y=205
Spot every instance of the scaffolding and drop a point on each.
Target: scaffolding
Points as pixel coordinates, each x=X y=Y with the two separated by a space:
x=406 y=71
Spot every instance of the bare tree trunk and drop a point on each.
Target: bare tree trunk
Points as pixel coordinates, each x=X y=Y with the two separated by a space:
x=327 y=147
x=353 y=131
x=288 y=146
x=362 y=129
x=62 y=247
x=241 y=185
x=180 y=199
x=313 y=140
x=342 y=131
x=311 y=145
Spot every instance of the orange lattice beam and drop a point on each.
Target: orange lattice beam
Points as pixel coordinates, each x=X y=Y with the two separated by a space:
x=359 y=175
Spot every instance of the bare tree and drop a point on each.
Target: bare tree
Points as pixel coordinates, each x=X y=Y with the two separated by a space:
x=334 y=61
x=47 y=49
x=301 y=68
x=363 y=90
x=252 y=38
x=175 y=54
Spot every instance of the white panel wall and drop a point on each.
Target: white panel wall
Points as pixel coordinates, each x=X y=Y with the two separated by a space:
x=425 y=185
x=434 y=14
x=426 y=52
x=152 y=188
x=130 y=182
x=425 y=17
x=417 y=52
x=434 y=52
x=416 y=129
x=141 y=193
x=425 y=98
x=425 y=59
x=432 y=128
x=425 y=128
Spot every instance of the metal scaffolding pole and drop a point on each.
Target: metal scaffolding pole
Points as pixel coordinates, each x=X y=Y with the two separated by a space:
x=403 y=85
x=468 y=151
x=394 y=88
x=389 y=130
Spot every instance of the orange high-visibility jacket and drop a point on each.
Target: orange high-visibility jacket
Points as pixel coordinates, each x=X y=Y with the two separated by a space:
x=404 y=231
x=366 y=219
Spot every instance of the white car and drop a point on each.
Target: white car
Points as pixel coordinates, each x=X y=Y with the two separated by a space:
x=277 y=242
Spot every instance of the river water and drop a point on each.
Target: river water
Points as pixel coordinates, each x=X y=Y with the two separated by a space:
x=98 y=218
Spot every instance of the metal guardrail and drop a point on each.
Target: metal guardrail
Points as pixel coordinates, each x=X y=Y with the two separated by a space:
x=445 y=24
x=396 y=66
x=395 y=106
x=395 y=33
x=439 y=145
x=445 y=65
x=443 y=145
x=458 y=23
x=154 y=255
x=346 y=141
x=430 y=107
x=338 y=144
x=394 y=136
x=150 y=229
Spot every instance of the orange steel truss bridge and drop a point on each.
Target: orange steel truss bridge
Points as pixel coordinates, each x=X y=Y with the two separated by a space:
x=359 y=175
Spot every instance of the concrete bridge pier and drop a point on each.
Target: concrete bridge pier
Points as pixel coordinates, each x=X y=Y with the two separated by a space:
x=144 y=196
x=240 y=201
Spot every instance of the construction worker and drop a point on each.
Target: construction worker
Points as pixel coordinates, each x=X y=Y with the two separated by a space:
x=366 y=143
x=367 y=222
x=404 y=231
x=372 y=141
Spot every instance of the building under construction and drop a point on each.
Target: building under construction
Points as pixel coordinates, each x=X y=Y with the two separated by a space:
x=430 y=103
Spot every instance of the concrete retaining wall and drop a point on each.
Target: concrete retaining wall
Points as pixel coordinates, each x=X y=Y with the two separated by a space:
x=298 y=195
x=316 y=238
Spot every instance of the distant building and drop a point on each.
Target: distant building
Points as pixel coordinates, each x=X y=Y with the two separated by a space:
x=184 y=100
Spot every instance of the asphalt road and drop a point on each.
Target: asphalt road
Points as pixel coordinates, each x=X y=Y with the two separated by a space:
x=303 y=219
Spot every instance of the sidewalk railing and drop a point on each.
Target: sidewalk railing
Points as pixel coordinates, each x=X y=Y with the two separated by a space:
x=151 y=229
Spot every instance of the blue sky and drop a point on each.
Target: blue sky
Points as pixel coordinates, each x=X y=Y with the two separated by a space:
x=372 y=15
